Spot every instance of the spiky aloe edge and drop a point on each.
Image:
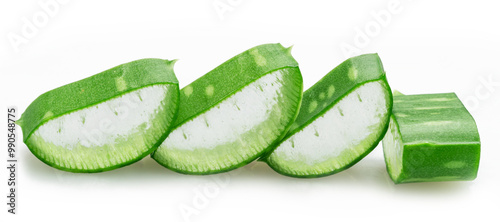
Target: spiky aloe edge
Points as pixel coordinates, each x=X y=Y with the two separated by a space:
x=84 y=98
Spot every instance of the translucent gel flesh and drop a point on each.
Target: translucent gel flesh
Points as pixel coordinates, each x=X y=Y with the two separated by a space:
x=338 y=137
x=106 y=134
x=236 y=129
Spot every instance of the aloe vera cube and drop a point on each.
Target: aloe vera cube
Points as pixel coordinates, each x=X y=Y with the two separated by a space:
x=231 y=115
x=105 y=121
x=342 y=118
x=431 y=137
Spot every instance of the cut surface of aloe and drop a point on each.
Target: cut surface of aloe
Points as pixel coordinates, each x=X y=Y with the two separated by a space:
x=106 y=121
x=233 y=114
x=431 y=137
x=341 y=119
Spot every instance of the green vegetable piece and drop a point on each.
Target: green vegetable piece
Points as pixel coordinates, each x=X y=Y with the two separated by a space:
x=233 y=114
x=105 y=121
x=342 y=118
x=431 y=137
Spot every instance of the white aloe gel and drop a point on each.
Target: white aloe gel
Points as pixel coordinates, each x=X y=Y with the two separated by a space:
x=238 y=127
x=393 y=157
x=431 y=137
x=105 y=134
x=337 y=137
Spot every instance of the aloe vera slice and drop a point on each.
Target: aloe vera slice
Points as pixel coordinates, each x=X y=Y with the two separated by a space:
x=341 y=119
x=233 y=114
x=431 y=137
x=105 y=121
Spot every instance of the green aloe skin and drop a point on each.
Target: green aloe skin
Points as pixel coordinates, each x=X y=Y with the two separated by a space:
x=233 y=114
x=342 y=118
x=105 y=121
x=252 y=106
x=431 y=137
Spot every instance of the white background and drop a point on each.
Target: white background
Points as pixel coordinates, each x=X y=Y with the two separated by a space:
x=426 y=47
